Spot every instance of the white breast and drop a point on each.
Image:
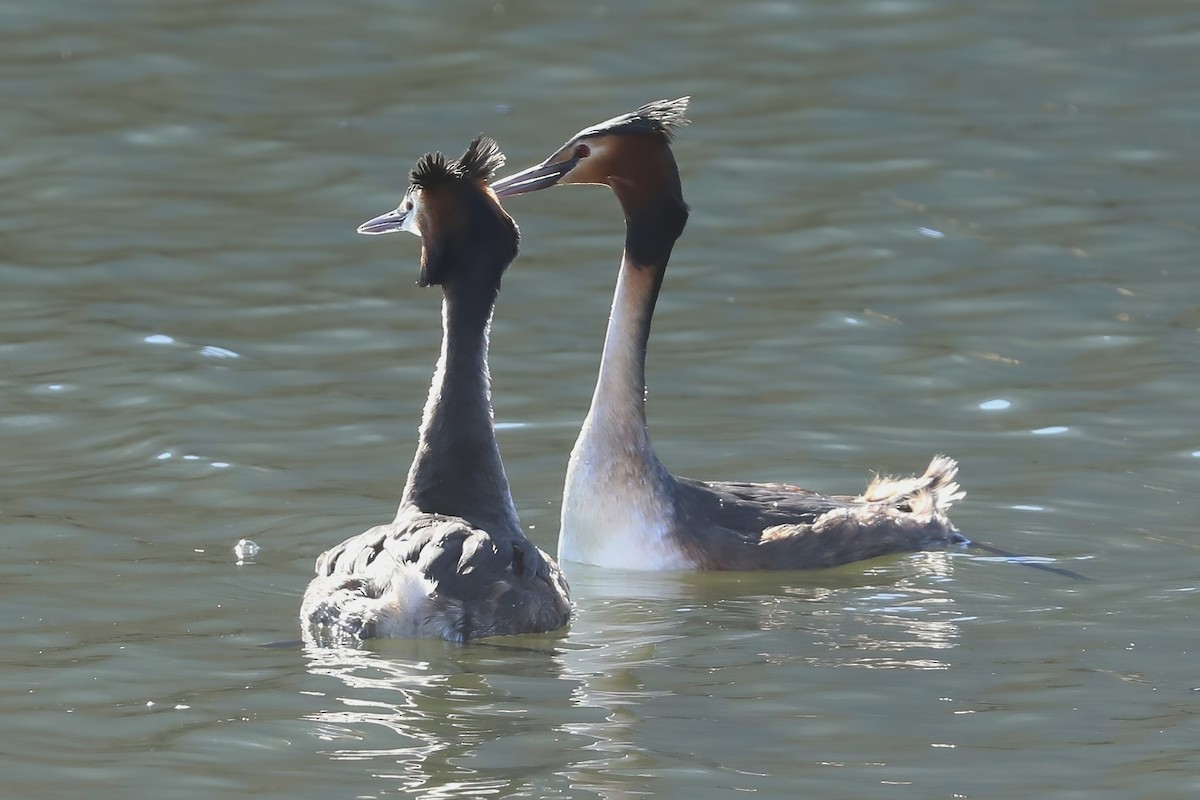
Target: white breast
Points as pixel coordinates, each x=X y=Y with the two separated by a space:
x=616 y=515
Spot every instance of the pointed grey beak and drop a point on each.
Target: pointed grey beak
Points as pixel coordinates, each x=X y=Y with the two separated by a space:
x=390 y=222
x=541 y=176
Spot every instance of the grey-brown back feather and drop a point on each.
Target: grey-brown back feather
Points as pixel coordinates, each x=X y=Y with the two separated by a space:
x=750 y=526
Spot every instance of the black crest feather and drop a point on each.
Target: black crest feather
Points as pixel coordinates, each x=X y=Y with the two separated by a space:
x=482 y=159
x=478 y=163
x=661 y=116
x=433 y=169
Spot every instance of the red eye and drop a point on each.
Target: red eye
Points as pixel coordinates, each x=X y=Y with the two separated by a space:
x=582 y=151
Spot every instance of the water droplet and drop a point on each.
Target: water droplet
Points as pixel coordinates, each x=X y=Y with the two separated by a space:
x=1053 y=430
x=212 y=351
x=158 y=338
x=995 y=404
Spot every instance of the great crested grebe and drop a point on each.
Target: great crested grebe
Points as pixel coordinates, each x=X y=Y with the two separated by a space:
x=621 y=507
x=454 y=564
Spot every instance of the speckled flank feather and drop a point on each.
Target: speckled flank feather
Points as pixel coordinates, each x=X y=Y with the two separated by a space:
x=429 y=575
x=736 y=526
x=931 y=493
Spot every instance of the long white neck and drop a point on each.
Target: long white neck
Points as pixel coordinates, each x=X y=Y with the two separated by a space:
x=616 y=421
x=618 y=497
x=619 y=500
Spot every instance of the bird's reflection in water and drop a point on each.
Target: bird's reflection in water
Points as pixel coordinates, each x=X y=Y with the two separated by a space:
x=714 y=673
x=905 y=624
x=446 y=720
x=653 y=675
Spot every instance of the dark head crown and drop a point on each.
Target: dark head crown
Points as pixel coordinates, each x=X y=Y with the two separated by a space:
x=661 y=116
x=479 y=163
x=433 y=169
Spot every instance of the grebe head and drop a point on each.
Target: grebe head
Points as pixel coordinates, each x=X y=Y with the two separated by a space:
x=623 y=152
x=450 y=206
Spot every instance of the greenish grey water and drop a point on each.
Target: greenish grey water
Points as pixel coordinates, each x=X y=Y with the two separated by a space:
x=917 y=227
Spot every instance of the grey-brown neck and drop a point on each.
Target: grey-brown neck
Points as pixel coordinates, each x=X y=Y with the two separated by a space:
x=457 y=469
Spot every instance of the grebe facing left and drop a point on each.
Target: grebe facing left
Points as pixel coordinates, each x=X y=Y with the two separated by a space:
x=454 y=564
x=621 y=507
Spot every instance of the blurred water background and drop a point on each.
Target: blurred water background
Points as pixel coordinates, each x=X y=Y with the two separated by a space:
x=917 y=227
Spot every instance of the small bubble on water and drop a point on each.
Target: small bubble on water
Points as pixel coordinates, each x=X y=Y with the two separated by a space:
x=245 y=550
x=995 y=404
x=158 y=338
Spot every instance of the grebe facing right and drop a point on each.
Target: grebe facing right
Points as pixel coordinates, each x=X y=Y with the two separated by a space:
x=454 y=564
x=621 y=507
